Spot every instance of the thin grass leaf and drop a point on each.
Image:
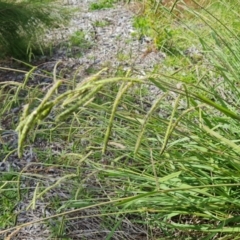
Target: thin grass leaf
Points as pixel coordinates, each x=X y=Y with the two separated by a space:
x=222 y=109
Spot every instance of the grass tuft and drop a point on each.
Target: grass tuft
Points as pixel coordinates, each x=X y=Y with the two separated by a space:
x=169 y=167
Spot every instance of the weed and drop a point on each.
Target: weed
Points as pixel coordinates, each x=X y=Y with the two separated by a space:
x=78 y=43
x=103 y=23
x=102 y=4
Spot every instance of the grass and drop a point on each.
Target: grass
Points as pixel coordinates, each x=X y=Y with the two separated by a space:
x=102 y=23
x=169 y=167
x=77 y=44
x=102 y=4
x=24 y=24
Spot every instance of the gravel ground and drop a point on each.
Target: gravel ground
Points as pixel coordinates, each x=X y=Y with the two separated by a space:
x=115 y=44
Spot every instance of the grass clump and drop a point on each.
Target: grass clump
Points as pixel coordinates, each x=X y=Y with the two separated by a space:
x=102 y=4
x=101 y=24
x=77 y=44
x=170 y=166
x=24 y=22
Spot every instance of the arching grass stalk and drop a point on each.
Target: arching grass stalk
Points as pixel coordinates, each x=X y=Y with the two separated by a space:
x=144 y=123
x=124 y=87
x=220 y=108
x=28 y=75
x=28 y=121
x=88 y=83
x=78 y=104
x=55 y=73
x=222 y=139
x=37 y=196
x=193 y=93
x=168 y=132
x=172 y=125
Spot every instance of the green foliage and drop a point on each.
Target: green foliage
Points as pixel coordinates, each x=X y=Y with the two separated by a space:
x=77 y=44
x=102 y=23
x=24 y=22
x=102 y=4
x=171 y=164
x=79 y=39
x=8 y=198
